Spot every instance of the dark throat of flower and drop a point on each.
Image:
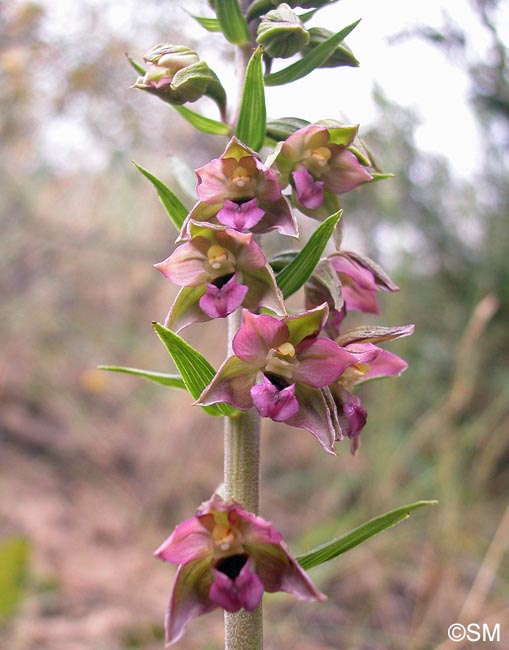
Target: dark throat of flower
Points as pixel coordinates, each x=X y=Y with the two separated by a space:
x=224 y=279
x=232 y=565
x=279 y=382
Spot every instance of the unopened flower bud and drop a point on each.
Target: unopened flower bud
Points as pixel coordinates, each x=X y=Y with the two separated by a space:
x=177 y=76
x=282 y=33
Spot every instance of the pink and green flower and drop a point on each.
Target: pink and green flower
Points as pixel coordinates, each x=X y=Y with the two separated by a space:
x=238 y=191
x=227 y=558
x=317 y=163
x=219 y=269
x=280 y=367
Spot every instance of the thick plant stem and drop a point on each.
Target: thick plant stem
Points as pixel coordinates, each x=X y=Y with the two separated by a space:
x=244 y=630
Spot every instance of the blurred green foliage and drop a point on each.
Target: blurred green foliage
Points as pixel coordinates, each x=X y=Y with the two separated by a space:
x=14 y=557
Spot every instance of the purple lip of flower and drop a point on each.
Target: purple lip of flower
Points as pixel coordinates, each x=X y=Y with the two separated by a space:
x=239 y=191
x=219 y=270
x=227 y=558
x=280 y=367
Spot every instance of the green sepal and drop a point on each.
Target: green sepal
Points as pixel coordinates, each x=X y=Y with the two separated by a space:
x=163 y=378
x=335 y=547
x=309 y=61
x=253 y=116
x=283 y=128
x=295 y=275
x=139 y=69
x=172 y=204
x=195 y=370
x=233 y=23
x=202 y=123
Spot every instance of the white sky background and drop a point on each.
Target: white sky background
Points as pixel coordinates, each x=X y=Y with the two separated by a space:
x=410 y=72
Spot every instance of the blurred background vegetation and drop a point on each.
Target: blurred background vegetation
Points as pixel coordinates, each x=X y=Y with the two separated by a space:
x=96 y=469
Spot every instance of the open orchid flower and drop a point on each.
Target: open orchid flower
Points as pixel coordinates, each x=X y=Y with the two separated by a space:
x=357 y=279
x=317 y=163
x=218 y=269
x=238 y=191
x=227 y=558
x=279 y=367
x=372 y=363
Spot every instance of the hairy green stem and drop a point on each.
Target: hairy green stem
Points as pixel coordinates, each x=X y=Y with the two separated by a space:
x=243 y=630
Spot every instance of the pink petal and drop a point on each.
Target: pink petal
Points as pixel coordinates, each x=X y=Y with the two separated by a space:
x=257 y=335
x=345 y=172
x=241 y=216
x=189 y=598
x=278 y=216
x=309 y=191
x=232 y=384
x=386 y=364
x=321 y=363
x=279 y=405
x=360 y=275
x=218 y=302
x=212 y=182
x=186 y=266
x=263 y=291
x=189 y=541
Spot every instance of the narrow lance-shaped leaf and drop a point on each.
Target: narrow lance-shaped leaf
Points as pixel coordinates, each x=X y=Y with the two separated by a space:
x=293 y=276
x=233 y=23
x=202 y=123
x=253 y=115
x=163 y=378
x=195 y=370
x=335 y=547
x=173 y=205
x=310 y=61
x=210 y=24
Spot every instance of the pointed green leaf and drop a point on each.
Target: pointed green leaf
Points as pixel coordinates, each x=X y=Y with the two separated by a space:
x=284 y=127
x=210 y=24
x=293 y=276
x=163 y=378
x=253 y=116
x=310 y=61
x=202 y=123
x=335 y=547
x=233 y=23
x=173 y=205
x=139 y=69
x=196 y=371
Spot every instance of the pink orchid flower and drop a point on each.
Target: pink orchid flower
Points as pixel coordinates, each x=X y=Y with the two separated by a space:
x=238 y=191
x=317 y=163
x=280 y=367
x=227 y=558
x=219 y=269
